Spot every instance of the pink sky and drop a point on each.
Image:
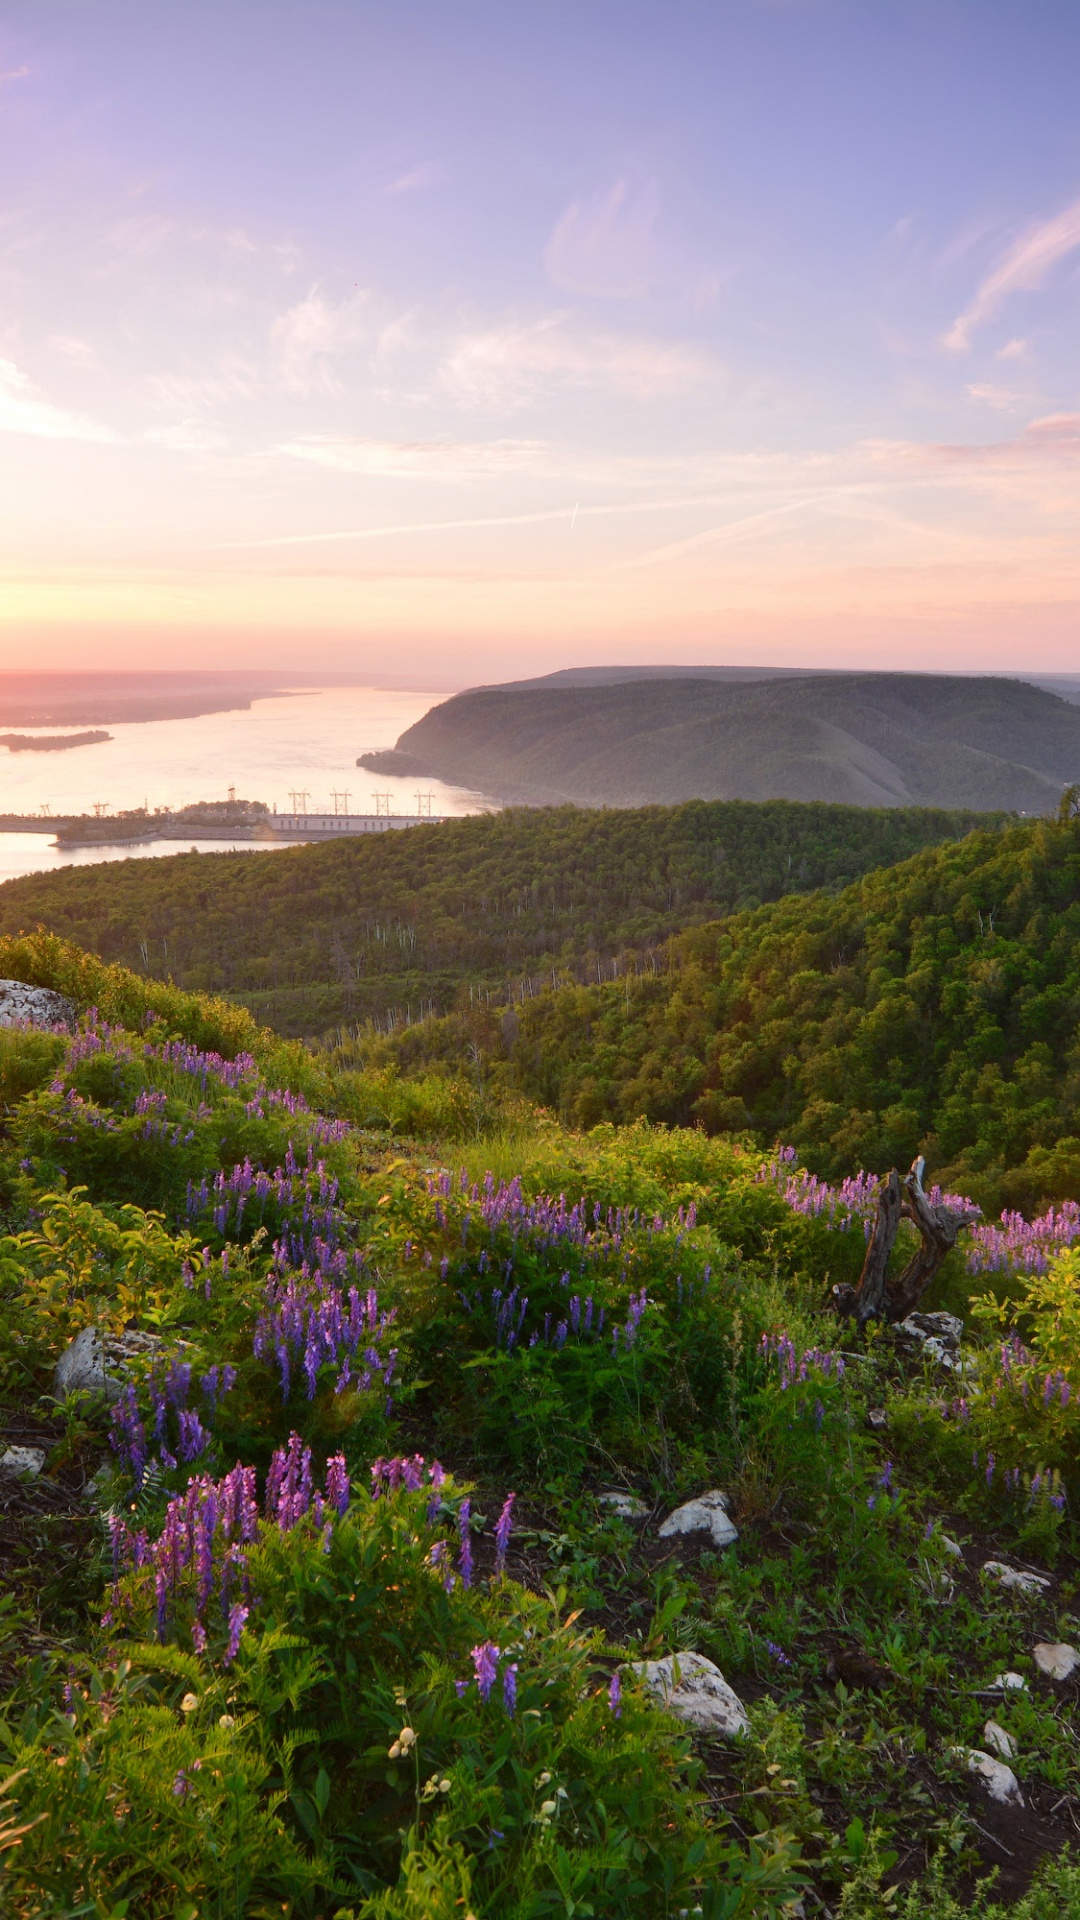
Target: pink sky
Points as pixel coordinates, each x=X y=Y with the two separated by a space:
x=473 y=342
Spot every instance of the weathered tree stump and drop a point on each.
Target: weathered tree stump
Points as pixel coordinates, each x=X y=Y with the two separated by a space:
x=877 y=1297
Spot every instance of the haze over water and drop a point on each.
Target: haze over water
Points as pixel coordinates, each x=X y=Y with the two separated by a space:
x=278 y=747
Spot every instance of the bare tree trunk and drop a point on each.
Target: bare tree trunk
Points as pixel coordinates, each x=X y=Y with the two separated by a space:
x=938 y=1227
x=877 y=1297
x=870 y=1299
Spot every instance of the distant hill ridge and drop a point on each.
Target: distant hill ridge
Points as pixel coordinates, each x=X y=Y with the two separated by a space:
x=868 y=739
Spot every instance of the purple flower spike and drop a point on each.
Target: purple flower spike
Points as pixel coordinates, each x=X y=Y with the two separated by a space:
x=237 y=1619
x=503 y=1528
x=465 y=1560
x=510 y=1689
x=614 y=1694
x=485 y=1659
x=337 y=1482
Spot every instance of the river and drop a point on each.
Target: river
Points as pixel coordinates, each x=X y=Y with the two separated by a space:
x=289 y=745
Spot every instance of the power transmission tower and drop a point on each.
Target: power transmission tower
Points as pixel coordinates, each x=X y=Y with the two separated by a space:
x=382 y=803
x=296 y=795
x=337 y=795
x=423 y=805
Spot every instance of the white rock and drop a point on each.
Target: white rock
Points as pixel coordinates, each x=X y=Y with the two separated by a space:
x=28 y=1460
x=94 y=1363
x=1003 y=1743
x=81 y=1366
x=707 y=1514
x=23 y=1006
x=1014 y=1580
x=695 y=1690
x=626 y=1506
x=999 y=1780
x=1007 y=1683
x=942 y=1328
x=1052 y=1657
x=952 y=1546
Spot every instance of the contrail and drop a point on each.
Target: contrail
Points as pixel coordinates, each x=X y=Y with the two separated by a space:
x=549 y=515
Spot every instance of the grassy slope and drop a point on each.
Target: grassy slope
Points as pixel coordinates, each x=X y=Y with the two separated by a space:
x=858 y=1639
x=311 y=937
x=870 y=739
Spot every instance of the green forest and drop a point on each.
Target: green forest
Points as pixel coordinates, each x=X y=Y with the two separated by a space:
x=313 y=938
x=930 y=1007
x=440 y=1473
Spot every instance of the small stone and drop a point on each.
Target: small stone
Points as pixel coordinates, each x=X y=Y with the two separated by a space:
x=877 y=1418
x=944 y=1328
x=999 y=1780
x=695 y=1690
x=1003 y=1743
x=626 y=1506
x=28 y=1460
x=707 y=1514
x=1053 y=1658
x=952 y=1546
x=23 y=1006
x=1014 y=1580
x=1007 y=1683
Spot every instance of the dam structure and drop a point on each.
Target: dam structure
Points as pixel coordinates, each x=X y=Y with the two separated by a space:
x=209 y=823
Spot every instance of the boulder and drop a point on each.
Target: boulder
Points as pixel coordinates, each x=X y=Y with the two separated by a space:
x=707 y=1514
x=695 y=1690
x=28 y=1460
x=1015 y=1580
x=999 y=1780
x=97 y=1363
x=938 y=1334
x=626 y=1506
x=23 y=1006
x=1056 y=1660
x=1003 y=1743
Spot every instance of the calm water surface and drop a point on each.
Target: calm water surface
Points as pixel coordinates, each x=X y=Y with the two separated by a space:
x=293 y=743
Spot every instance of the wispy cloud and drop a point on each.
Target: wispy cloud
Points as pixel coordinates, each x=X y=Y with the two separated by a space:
x=1052 y=439
x=420 y=460
x=415 y=179
x=513 y=365
x=1021 y=270
x=308 y=335
x=602 y=247
x=24 y=410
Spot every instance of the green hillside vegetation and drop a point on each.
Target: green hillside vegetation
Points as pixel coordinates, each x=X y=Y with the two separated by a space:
x=311 y=938
x=933 y=1007
x=871 y=739
x=315 y=1606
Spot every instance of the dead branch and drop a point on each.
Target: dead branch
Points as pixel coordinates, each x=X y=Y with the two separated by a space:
x=877 y=1297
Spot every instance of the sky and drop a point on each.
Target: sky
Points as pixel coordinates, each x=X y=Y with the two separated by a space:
x=455 y=339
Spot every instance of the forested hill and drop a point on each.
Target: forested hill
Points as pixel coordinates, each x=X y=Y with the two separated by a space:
x=310 y=937
x=872 y=739
x=932 y=1007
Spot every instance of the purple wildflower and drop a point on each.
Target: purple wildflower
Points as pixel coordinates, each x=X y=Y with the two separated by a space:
x=503 y=1528
x=510 y=1688
x=485 y=1659
x=337 y=1482
x=237 y=1619
x=614 y=1694
x=465 y=1559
